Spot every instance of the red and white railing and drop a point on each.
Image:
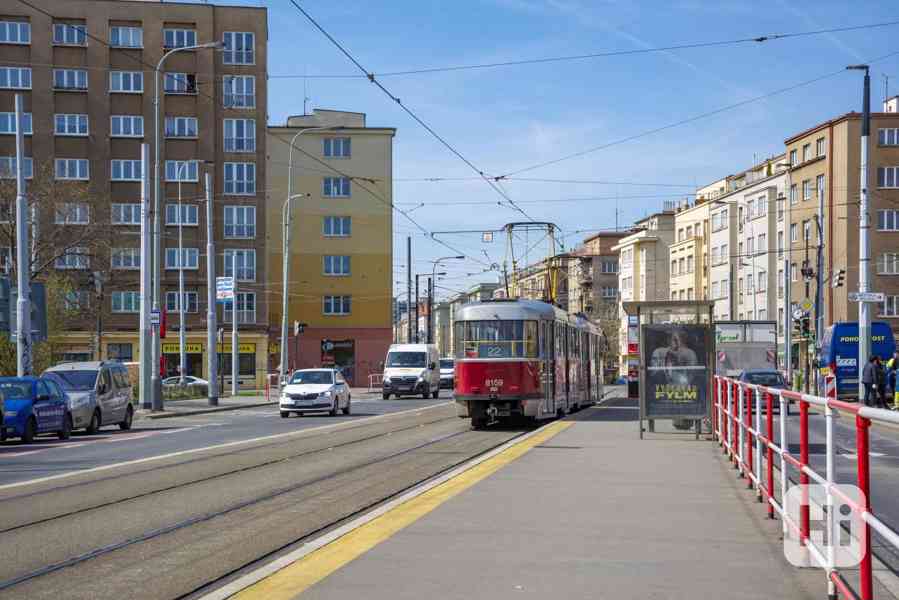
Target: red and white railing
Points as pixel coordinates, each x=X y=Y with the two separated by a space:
x=749 y=443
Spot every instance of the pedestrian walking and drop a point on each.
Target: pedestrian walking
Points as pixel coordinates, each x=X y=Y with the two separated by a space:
x=868 y=380
x=880 y=377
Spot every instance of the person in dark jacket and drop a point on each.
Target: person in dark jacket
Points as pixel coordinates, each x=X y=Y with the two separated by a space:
x=881 y=382
x=869 y=381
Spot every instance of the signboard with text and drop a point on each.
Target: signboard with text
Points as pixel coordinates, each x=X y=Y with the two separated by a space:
x=224 y=289
x=676 y=370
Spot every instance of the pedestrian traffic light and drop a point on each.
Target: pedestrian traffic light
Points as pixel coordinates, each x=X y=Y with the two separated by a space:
x=839 y=278
x=806 y=323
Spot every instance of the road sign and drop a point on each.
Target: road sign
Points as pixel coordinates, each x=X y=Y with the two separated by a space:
x=798 y=313
x=224 y=289
x=154 y=317
x=866 y=296
x=806 y=305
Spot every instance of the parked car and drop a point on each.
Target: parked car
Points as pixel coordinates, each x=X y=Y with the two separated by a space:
x=99 y=393
x=315 y=390
x=768 y=378
x=447 y=373
x=193 y=383
x=32 y=406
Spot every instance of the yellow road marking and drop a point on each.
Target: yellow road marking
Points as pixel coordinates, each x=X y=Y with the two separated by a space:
x=314 y=567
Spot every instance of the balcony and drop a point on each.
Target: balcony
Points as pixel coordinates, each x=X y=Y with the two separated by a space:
x=585 y=277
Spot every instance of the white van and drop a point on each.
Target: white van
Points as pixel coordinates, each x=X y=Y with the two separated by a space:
x=411 y=369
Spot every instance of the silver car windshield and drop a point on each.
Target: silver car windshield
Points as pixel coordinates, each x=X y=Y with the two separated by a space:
x=313 y=377
x=74 y=381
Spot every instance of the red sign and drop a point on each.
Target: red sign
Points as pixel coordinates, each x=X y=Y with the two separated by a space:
x=633 y=348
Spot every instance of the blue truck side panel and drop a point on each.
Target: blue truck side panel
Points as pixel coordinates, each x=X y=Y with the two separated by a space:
x=839 y=352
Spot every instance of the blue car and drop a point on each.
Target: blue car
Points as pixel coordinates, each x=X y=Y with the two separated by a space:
x=32 y=406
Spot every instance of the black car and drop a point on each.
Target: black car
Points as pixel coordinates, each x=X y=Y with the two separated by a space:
x=768 y=378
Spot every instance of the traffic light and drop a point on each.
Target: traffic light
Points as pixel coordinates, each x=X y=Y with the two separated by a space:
x=806 y=323
x=839 y=278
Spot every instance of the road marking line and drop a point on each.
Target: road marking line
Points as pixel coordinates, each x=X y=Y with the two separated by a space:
x=299 y=433
x=355 y=539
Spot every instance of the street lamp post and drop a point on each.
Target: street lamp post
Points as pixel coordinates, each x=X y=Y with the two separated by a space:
x=182 y=356
x=788 y=276
x=430 y=290
x=156 y=381
x=285 y=244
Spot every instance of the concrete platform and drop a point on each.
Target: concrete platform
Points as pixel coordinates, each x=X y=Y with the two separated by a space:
x=592 y=512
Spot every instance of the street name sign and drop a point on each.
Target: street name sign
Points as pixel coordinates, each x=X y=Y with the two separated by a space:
x=866 y=296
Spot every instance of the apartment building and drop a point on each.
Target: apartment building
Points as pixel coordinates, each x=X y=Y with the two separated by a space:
x=593 y=275
x=642 y=270
x=689 y=252
x=476 y=293
x=86 y=71
x=546 y=281
x=341 y=239
x=722 y=245
x=825 y=163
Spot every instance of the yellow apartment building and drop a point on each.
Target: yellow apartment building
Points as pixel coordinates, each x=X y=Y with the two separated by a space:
x=341 y=241
x=689 y=252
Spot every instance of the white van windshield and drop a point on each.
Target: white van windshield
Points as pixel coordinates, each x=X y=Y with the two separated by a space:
x=406 y=359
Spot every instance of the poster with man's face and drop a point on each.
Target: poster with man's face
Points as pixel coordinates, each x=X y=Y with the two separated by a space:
x=676 y=370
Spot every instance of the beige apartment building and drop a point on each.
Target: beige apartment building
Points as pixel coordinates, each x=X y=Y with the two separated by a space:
x=593 y=276
x=341 y=240
x=825 y=163
x=689 y=252
x=86 y=71
x=546 y=281
x=642 y=271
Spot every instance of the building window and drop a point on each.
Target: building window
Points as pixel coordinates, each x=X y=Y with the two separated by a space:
x=246 y=308
x=190 y=258
x=240 y=135
x=336 y=265
x=794 y=158
x=181 y=170
x=126 y=82
x=69 y=79
x=794 y=232
x=762 y=206
x=780 y=283
x=69 y=35
x=336 y=305
x=8 y=123
x=820 y=147
x=239 y=48
x=70 y=125
x=240 y=178
x=806 y=189
x=181 y=127
x=724 y=254
x=15 y=32
x=794 y=273
x=888 y=177
x=806 y=230
x=239 y=91
x=8 y=167
x=749 y=283
x=689 y=264
x=780 y=244
x=126 y=214
x=240 y=221
x=762 y=243
x=715 y=288
x=180 y=83
x=125 y=170
x=179 y=38
x=806 y=152
x=794 y=195
x=336 y=226
x=72 y=213
x=120 y=352
x=74 y=258
x=72 y=168
x=126 y=37
x=762 y=281
x=609 y=292
x=336 y=147
x=125 y=302
x=15 y=78
x=240 y=264
x=725 y=288
x=888 y=137
x=819 y=184
x=126 y=126
x=608 y=266
x=336 y=187
x=888 y=220
x=189 y=214
x=125 y=258
x=750 y=246
x=888 y=264
x=890 y=307
x=191 y=305
x=674 y=267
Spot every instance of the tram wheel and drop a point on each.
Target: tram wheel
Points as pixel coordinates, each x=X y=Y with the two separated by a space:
x=478 y=422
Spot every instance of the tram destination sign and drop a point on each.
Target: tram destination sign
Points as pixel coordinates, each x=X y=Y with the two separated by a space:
x=676 y=359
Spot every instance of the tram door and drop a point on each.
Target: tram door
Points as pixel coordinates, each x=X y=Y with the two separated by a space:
x=549 y=367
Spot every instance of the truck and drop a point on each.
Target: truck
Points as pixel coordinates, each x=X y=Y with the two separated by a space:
x=745 y=345
x=839 y=353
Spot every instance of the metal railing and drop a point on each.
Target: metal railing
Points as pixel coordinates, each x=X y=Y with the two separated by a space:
x=750 y=444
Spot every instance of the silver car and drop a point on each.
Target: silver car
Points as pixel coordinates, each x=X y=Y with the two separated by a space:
x=98 y=393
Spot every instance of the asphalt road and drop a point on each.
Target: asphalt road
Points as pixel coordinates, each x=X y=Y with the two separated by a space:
x=48 y=456
x=170 y=525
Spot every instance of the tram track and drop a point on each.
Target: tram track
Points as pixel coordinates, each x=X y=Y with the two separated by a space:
x=417 y=455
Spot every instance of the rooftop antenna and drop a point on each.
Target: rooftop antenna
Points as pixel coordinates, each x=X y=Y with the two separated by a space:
x=306 y=97
x=886 y=87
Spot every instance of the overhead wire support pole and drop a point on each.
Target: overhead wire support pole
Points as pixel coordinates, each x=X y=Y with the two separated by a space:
x=211 y=326
x=409 y=289
x=146 y=294
x=23 y=258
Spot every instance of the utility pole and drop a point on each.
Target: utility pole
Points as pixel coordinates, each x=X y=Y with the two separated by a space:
x=819 y=277
x=211 y=353
x=416 y=310
x=146 y=329
x=788 y=320
x=864 y=244
x=23 y=260
x=807 y=277
x=430 y=308
x=235 y=362
x=409 y=288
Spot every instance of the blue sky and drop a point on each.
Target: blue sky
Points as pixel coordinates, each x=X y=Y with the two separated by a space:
x=508 y=118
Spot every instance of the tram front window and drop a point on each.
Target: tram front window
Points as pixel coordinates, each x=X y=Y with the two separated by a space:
x=496 y=339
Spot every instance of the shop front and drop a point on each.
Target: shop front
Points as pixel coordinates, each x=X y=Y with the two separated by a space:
x=193 y=356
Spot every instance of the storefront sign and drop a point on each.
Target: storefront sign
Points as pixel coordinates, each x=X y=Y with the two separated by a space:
x=241 y=348
x=175 y=348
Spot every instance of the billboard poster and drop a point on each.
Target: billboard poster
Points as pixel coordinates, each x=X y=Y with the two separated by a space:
x=676 y=360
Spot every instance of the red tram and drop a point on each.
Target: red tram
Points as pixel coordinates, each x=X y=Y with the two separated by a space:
x=524 y=358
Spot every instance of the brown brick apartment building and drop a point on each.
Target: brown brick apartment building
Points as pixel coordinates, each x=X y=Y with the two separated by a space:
x=86 y=71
